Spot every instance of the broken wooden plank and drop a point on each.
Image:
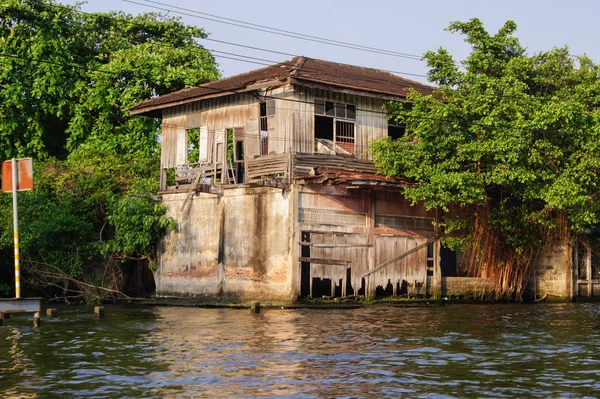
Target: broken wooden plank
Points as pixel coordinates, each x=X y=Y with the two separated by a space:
x=333 y=262
x=401 y=256
x=190 y=193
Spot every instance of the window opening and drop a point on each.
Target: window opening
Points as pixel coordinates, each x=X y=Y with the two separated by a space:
x=323 y=128
x=430 y=258
x=344 y=135
x=239 y=162
x=266 y=109
x=335 y=122
x=397 y=129
x=193 y=145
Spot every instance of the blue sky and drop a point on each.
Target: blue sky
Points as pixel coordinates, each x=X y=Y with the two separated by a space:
x=411 y=27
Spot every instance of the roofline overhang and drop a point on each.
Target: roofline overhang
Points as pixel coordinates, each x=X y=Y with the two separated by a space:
x=151 y=110
x=347 y=89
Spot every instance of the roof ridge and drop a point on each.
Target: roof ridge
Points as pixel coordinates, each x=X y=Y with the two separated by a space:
x=297 y=66
x=282 y=63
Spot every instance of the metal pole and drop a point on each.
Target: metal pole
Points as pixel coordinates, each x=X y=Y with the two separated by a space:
x=15 y=179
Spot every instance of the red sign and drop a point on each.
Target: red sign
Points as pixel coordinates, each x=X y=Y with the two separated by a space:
x=25 y=169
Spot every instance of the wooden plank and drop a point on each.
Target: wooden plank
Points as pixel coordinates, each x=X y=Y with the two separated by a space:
x=401 y=256
x=317 y=245
x=333 y=262
x=331 y=232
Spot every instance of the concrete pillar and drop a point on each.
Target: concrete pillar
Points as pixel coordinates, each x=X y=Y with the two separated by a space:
x=51 y=313
x=36 y=320
x=1 y=319
x=254 y=307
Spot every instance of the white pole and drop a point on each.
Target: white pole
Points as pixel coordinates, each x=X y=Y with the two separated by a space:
x=15 y=180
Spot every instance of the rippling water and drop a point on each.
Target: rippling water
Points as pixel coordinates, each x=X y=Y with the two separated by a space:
x=458 y=351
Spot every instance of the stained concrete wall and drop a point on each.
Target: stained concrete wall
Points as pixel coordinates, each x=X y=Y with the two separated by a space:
x=466 y=285
x=553 y=273
x=238 y=244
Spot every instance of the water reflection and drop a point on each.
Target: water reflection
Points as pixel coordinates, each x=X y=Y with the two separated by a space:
x=441 y=352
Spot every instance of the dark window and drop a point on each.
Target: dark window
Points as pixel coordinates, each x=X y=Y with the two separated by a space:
x=351 y=111
x=396 y=131
x=329 y=111
x=323 y=127
x=239 y=151
x=263 y=109
x=319 y=107
x=340 y=110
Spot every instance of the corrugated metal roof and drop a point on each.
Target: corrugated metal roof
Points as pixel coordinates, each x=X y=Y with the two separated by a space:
x=304 y=70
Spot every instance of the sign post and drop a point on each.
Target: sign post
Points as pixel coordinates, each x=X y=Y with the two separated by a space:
x=15 y=183
x=17 y=175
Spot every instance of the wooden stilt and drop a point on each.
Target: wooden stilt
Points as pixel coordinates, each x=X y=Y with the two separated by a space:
x=36 y=320
x=99 y=311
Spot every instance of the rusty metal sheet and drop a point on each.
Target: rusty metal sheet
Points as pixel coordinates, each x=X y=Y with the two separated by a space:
x=25 y=168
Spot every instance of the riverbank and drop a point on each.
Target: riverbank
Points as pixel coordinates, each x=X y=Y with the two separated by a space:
x=327 y=303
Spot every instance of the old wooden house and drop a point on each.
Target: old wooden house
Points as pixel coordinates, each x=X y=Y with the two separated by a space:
x=270 y=179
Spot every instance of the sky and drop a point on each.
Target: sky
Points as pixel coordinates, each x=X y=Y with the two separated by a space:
x=408 y=27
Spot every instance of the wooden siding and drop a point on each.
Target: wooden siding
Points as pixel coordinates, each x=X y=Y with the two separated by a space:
x=370 y=124
x=170 y=127
x=291 y=129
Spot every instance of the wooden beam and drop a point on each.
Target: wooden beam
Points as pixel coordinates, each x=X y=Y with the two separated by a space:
x=332 y=262
x=401 y=256
x=321 y=245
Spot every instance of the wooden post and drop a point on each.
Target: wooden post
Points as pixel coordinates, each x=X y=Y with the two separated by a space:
x=588 y=266
x=163 y=178
x=51 y=313
x=1 y=319
x=572 y=269
x=99 y=311
x=254 y=307
x=437 y=261
x=36 y=320
x=370 y=287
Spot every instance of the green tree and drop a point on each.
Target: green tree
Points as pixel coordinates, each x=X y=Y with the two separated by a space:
x=67 y=81
x=68 y=77
x=509 y=147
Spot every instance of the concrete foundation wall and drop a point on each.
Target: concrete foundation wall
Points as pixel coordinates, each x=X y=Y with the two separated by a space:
x=553 y=273
x=466 y=285
x=238 y=244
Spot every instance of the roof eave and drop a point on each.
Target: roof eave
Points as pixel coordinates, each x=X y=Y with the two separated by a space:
x=146 y=111
x=347 y=89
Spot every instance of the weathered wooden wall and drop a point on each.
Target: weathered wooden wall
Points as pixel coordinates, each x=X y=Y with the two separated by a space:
x=291 y=129
x=370 y=124
x=334 y=215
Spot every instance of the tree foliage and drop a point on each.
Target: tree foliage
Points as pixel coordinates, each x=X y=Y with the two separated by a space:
x=67 y=81
x=69 y=77
x=511 y=139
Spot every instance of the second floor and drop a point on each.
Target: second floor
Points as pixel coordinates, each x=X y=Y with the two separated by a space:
x=301 y=106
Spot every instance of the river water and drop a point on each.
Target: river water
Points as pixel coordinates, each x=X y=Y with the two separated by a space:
x=456 y=351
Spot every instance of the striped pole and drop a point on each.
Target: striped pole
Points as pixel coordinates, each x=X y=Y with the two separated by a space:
x=15 y=179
